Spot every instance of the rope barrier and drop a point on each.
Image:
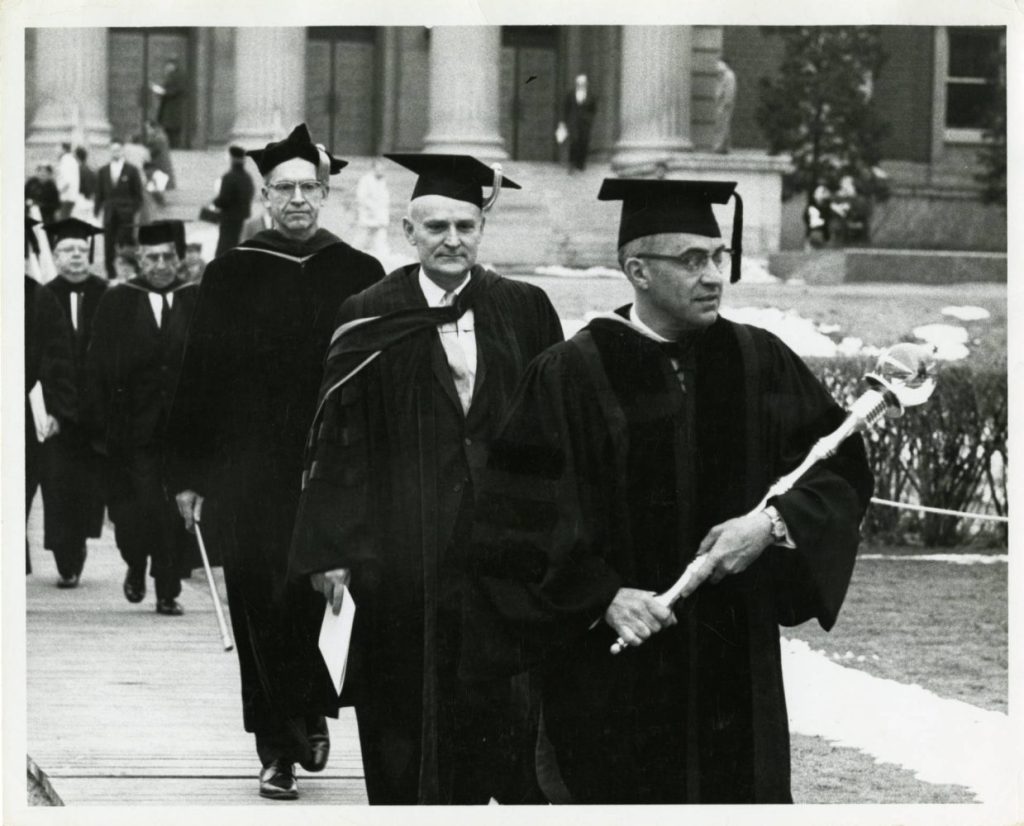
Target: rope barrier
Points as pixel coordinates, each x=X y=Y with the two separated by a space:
x=924 y=509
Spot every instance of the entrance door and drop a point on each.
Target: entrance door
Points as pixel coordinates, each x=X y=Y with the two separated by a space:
x=137 y=58
x=530 y=91
x=341 y=88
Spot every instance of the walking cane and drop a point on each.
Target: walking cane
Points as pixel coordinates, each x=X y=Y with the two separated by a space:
x=218 y=609
x=901 y=379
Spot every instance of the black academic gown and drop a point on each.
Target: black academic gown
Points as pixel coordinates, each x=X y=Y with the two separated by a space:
x=133 y=368
x=607 y=475
x=73 y=494
x=237 y=429
x=392 y=468
x=49 y=362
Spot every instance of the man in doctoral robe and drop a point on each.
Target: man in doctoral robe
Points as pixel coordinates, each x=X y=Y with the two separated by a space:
x=72 y=472
x=133 y=361
x=49 y=364
x=419 y=374
x=252 y=366
x=646 y=439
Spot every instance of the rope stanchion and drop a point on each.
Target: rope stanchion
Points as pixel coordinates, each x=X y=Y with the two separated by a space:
x=987 y=517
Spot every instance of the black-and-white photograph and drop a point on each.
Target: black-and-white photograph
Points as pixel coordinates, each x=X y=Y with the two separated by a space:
x=510 y=413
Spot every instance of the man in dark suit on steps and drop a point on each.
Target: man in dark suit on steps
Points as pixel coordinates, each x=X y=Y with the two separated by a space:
x=118 y=200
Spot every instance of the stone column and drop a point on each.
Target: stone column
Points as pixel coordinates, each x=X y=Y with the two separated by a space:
x=465 y=92
x=71 y=88
x=270 y=84
x=655 y=94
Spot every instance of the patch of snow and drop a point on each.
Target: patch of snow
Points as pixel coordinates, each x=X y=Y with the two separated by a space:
x=950 y=341
x=941 y=741
x=755 y=271
x=953 y=559
x=966 y=313
x=850 y=345
x=571 y=326
x=800 y=334
x=570 y=272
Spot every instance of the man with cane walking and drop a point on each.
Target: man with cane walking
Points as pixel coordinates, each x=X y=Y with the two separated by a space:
x=248 y=387
x=630 y=449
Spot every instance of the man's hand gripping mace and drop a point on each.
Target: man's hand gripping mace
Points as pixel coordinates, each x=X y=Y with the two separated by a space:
x=902 y=378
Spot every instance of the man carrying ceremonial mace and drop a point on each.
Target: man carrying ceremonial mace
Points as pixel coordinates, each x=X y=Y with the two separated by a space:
x=628 y=450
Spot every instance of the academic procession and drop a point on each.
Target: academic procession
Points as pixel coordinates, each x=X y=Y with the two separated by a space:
x=342 y=513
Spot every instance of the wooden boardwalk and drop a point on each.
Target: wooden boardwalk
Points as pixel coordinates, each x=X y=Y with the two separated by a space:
x=129 y=707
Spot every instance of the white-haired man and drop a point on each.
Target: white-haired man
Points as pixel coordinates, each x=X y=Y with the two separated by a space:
x=390 y=495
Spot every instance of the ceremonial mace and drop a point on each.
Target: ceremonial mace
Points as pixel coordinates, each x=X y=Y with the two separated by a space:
x=218 y=609
x=902 y=378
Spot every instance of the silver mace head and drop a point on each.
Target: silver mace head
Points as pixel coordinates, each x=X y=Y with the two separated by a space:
x=904 y=375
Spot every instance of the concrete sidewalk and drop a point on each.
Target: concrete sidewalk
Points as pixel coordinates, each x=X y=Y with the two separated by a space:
x=129 y=707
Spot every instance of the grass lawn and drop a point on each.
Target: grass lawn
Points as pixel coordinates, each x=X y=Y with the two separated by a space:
x=936 y=624
x=824 y=773
x=880 y=314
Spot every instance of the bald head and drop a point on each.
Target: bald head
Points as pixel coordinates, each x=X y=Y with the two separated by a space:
x=446 y=233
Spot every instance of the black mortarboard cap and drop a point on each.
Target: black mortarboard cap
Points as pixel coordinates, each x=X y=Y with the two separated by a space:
x=298 y=144
x=461 y=177
x=236 y=152
x=163 y=232
x=72 y=228
x=651 y=207
x=31 y=242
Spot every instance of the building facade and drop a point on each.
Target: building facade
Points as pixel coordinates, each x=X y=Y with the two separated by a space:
x=495 y=91
x=498 y=92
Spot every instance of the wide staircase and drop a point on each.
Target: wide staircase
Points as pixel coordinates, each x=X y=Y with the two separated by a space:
x=555 y=219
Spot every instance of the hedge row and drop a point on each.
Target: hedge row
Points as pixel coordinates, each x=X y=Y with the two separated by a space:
x=948 y=453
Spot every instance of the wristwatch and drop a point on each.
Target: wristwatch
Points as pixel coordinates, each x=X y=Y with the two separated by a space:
x=779 y=532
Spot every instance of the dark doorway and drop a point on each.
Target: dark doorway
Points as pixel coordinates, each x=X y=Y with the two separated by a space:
x=530 y=91
x=136 y=60
x=341 y=88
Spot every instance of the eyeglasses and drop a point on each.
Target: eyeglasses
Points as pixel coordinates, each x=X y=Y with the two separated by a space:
x=309 y=189
x=157 y=257
x=695 y=260
x=71 y=249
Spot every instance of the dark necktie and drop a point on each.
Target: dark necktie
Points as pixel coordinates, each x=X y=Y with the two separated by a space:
x=165 y=311
x=676 y=351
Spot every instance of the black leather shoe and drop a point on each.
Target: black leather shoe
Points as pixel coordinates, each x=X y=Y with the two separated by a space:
x=135 y=585
x=169 y=607
x=320 y=749
x=68 y=581
x=277 y=781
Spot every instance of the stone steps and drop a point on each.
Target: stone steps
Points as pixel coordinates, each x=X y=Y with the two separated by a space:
x=556 y=218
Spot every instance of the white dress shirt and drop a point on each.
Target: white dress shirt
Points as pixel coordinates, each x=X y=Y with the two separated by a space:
x=158 y=305
x=461 y=330
x=115 y=170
